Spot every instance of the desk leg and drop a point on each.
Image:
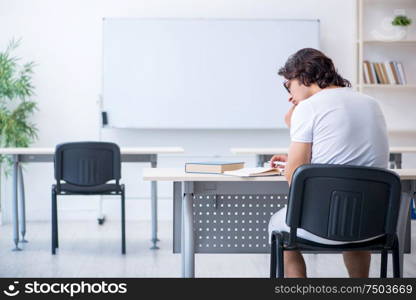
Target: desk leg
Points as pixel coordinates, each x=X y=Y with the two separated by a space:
x=154 y=207
x=15 y=207
x=408 y=236
x=187 y=247
x=407 y=191
x=397 y=159
x=396 y=163
x=22 y=217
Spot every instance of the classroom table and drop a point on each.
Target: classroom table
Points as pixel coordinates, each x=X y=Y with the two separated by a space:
x=265 y=154
x=208 y=202
x=39 y=155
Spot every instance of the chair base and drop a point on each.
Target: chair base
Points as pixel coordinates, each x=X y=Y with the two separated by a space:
x=279 y=245
x=119 y=192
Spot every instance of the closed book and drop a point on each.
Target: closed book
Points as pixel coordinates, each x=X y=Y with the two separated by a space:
x=378 y=73
x=384 y=71
x=256 y=172
x=374 y=71
x=401 y=72
x=365 y=74
x=380 y=70
x=216 y=167
x=396 y=67
x=389 y=73
x=370 y=72
x=393 y=70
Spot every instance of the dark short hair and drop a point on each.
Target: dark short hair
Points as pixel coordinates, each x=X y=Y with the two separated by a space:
x=310 y=66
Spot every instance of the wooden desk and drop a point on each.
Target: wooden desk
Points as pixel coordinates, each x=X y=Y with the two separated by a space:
x=256 y=192
x=31 y=155
x=265 y=154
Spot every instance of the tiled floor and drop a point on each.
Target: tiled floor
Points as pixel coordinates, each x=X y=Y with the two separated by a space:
x=90 y=250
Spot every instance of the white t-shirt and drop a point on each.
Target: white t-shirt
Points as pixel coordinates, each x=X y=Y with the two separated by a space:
x=344 y=127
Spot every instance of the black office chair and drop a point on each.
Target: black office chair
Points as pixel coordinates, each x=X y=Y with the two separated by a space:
x=85 y=168
x=341 y=203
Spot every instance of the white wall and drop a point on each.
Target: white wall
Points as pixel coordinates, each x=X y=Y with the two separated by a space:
x=64 y=38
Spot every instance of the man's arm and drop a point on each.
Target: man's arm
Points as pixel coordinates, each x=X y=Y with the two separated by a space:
x=288 y=115
x=299 y=154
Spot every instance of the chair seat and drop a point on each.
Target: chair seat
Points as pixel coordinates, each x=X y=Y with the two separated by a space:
x=303 y=244
x=109 y=188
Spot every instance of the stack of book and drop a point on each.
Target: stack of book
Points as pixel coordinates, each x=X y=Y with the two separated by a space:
x=213 y=167
x=391 y=72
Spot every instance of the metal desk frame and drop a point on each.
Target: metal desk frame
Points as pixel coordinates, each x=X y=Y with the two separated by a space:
x=18 y=203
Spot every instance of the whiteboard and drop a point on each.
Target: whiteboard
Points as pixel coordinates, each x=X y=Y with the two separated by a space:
x=199 y=73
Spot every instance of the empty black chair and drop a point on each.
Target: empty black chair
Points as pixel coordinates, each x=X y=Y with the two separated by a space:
x=341 y=203
x=86 y=168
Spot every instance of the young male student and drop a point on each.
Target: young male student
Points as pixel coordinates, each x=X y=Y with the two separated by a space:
x=329 y=123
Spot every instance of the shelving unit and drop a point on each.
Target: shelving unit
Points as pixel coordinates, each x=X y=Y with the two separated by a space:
x=370 y=17
x=389 y=86
x=389 y=42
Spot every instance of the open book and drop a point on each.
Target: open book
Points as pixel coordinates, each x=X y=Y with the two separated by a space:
x=254 y=172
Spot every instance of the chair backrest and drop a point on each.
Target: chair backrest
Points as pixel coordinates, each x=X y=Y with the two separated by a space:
x=342 y=202
x=87 y=163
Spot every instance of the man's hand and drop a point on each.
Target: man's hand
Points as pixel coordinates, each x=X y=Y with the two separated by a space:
x=288 y=115
x=278 y=157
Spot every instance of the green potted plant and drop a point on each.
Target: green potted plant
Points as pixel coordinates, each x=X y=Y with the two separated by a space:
x=16 y=106
x=402 y=21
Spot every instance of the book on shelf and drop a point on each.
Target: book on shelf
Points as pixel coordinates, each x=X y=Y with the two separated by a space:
x=388 y=72
x=401 y=72
x=373 y=70
x=379 y=73
x=393 y=68
x=384 y=72
x=366 y=75
x=216 y=167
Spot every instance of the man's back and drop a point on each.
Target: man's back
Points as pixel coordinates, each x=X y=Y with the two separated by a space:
x=344 y=127
x=331 y=124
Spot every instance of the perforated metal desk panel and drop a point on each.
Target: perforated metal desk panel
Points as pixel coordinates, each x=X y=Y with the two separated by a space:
x=230 y=217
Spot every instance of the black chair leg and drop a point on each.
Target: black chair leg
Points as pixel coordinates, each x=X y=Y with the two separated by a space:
x=54 y=222
x=279 y=252
x=383 y=264
x=396 y=259
x=123 y=223
x=276 y=258
x=273 y=257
